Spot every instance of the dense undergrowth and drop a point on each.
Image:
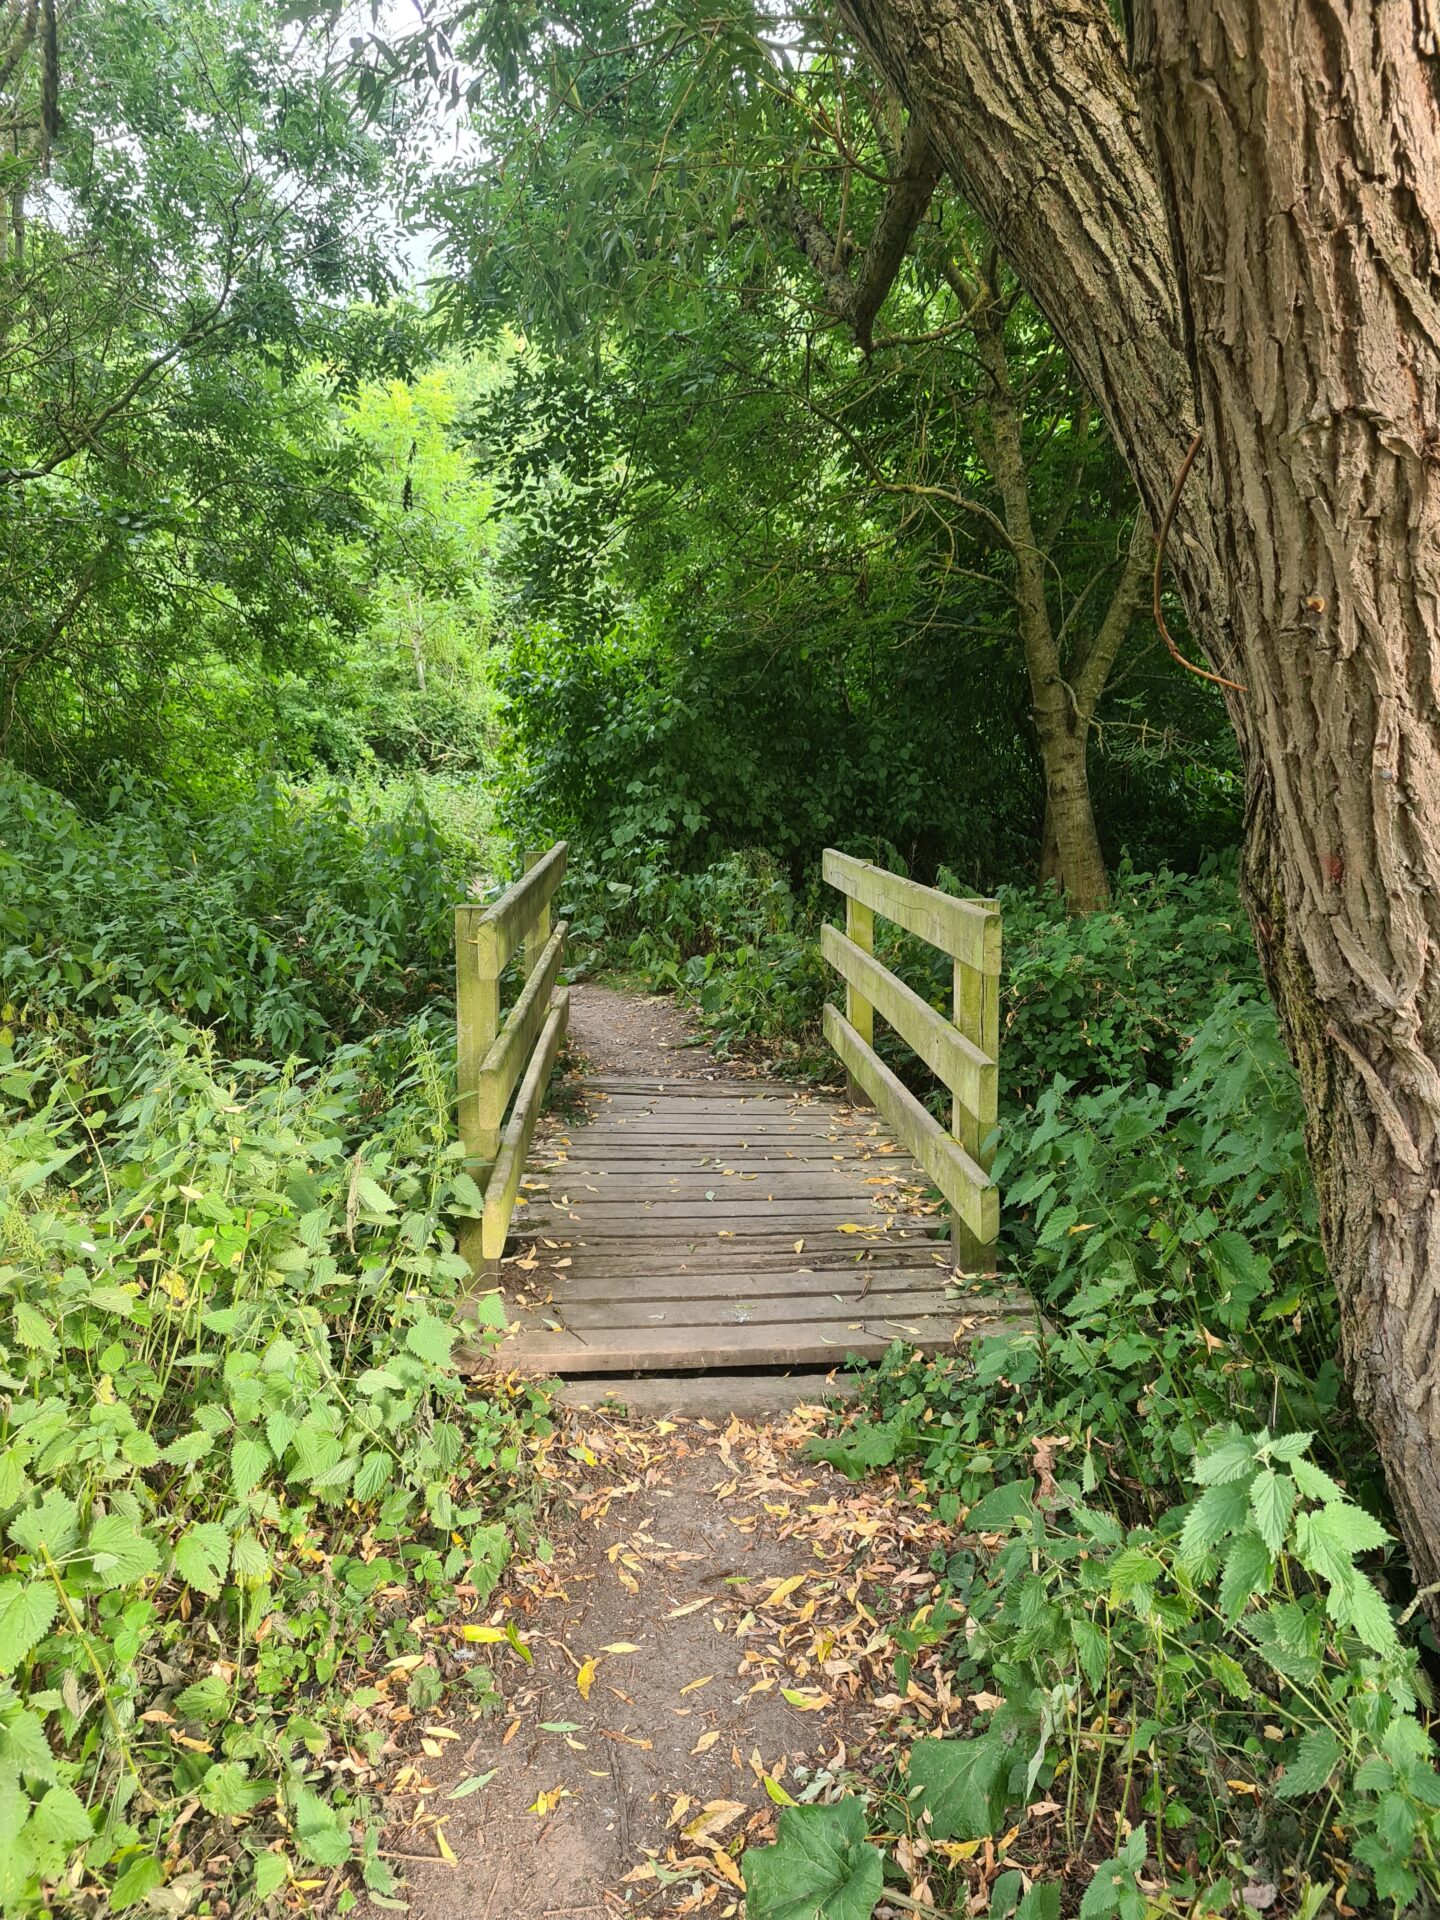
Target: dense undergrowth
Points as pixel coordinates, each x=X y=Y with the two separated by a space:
x=243 y=1490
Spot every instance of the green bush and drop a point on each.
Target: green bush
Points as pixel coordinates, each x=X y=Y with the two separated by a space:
x=285 y=920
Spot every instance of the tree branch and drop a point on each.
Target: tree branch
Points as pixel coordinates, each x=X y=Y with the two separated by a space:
x=855 y=299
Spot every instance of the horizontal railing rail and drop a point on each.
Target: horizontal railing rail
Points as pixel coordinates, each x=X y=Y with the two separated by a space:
x=963 y=1052
x=494 y=1057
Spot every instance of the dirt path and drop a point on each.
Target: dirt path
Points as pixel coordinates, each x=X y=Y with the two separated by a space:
x=714 y=1615
x=647 y=1035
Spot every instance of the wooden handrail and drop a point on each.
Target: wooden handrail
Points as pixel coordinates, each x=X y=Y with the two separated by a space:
x=492 y=1055
x=962 y=1052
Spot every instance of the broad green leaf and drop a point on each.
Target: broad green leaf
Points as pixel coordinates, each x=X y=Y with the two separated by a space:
x=26 y=1610
x=1272 y=1500
x=249 y=1560
x=53 y=1527
x=321 y=1833
x=249 y=1463
x=1219 y=1511
x=1313 y=1483
x=1231 y=1460
x=821 y=1867
x=141 y=1876
x=228 y=1789
x=119 y=1552
x=961 y=1785
x=207 y=1700
x=272 y=1870
x=1247 y=1571
x=1312 y=1764
x=61 y=1816
x=202 y=1553
x=1002 y=1507
x=431 y=1339
x=373 y=1473
x=32 y=1329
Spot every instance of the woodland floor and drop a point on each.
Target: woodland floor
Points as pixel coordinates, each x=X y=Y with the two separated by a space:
x=709 y=1632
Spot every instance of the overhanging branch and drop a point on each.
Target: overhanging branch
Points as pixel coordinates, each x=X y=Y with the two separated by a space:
x=856 y=298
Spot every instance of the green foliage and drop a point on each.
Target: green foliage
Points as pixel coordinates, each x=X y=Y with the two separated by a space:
x=285 y=919
x=172 y=489
x=821 y=1867
x=240 y=1477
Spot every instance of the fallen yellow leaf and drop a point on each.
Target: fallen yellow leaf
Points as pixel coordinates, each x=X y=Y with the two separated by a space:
x=727 y=1867
x=782 y=1590
x=693 y=1686
x=621 y=1646
x=585 y=1678
x=547 y=1802
x=776 y=1792
x=706 y=1741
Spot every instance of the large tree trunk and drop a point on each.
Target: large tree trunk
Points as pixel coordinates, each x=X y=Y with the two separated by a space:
x=1268 y=269
x=1299 y=150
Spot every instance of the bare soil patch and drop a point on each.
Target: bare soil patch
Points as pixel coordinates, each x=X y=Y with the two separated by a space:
x=647 y=1035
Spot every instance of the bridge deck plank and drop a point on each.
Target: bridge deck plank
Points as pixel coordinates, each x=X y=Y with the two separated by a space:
x=819 y=1242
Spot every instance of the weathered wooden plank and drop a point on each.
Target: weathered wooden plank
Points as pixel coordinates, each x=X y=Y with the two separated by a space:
x=477 y=1021
x=744 y=1310
x=966 y=1071
x=505 y=1061
x=967 y=930
x=669 y=1282
x=964 y=1183
x=621 y=1350
x=510 y=1161
x=499 y=928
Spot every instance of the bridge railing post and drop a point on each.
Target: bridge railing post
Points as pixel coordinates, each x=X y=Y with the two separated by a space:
x=860 y=1012
x=977 y=1015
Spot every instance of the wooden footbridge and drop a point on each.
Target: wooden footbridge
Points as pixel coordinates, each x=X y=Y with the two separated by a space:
x=713 y=1222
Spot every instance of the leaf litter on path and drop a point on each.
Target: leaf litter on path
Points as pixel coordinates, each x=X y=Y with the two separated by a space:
x=710 y=1639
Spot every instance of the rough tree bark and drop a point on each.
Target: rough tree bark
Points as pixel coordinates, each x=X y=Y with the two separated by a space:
x=1249 y=239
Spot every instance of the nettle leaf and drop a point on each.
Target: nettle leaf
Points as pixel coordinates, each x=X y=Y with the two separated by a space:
x=26 y=1610
x=1248 y=1570
x=53 y=1527
x=272 y=1870
x=1289 y=1446
x=1315 y=1484
x=33 y=1330
x=207 y=1701
x=1272 y=1501
x=228 y=1789
x=321 y=1833
x=431 y=1339
x=961 y=1785
x=1219 y=1511
x=1312 y=1764
x=821 y=1867
x=372 y=1474
x=202 y=1553
x=119 y=1552
x=1351 y=1528
x=1233 y=1459
x=189 y=1448
x=61 y=1817
x=1354 y=1602
x=249 y=1560
x=249 y=1463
